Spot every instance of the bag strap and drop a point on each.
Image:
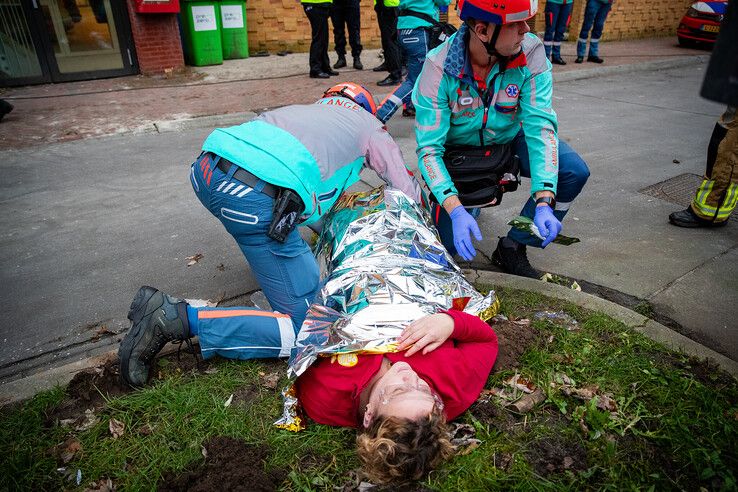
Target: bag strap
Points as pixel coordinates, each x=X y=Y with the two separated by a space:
x=420 y=15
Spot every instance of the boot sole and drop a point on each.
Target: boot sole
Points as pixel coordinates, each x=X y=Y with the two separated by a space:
x=136 y=313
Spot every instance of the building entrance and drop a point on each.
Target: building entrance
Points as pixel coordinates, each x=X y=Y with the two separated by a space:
x=64 y=40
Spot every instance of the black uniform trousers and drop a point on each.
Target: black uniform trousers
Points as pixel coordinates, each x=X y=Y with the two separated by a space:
x=346 y=13
x=387 y=20
x=318 y=14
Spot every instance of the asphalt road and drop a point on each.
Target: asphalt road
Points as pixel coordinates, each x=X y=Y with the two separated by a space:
x=85 y=223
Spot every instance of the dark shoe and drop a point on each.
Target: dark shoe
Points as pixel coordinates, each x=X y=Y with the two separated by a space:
x=687 y=218
x=595 y=59
x=357 y=63
x=341 y=62
x=389 y=80
x=156 y=319
x=330 y=72
x=514 y=260
x=319 y=75
x=579 y=59
x=408 y=112
x=5 y=108
x=557 y=60
x=381 y=68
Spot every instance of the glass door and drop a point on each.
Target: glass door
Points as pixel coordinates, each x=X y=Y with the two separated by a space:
x=73 y=39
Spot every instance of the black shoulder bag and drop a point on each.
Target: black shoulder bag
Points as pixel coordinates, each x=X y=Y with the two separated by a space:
x=482 y=174
x=437 y=33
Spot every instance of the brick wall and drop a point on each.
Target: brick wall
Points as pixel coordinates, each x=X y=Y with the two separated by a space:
x=628 y=19
x=157 y=41
x=276 y=25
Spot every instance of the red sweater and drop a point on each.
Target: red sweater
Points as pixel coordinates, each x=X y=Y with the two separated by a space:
x=456 y=371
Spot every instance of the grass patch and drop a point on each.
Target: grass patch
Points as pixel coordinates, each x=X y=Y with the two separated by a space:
x=671 y=423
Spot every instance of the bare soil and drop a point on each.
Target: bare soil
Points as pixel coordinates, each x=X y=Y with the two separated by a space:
x=513 y=341
x=231 y=464
x=554 y=454
x=89 y=390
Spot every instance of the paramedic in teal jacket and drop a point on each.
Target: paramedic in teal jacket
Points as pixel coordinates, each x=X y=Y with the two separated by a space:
x=490 y=83
x=316 y=150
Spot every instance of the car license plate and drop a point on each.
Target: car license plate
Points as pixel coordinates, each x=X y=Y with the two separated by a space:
x=709 y=28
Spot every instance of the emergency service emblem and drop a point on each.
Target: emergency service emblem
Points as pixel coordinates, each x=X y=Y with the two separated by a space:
x=512 y=90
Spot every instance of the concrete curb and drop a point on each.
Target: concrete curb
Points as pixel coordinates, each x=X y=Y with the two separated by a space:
x=648 y=327
x=27 y=387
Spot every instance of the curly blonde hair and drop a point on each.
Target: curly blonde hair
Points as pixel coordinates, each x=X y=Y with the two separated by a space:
x=395 y=449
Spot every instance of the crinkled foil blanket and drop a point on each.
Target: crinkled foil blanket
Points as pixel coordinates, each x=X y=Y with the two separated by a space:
x=385 y=268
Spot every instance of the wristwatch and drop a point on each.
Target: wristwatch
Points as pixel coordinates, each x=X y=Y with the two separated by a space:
x=548 y=200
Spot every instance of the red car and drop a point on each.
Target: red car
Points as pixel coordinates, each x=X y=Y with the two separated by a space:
x=701 y=23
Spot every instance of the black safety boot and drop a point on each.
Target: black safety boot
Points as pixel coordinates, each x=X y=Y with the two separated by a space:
x=357 y=63
x=557 y=60
x=156 y=319
x=341 y=62
x=687 y=218
x=594 y=59
x=579 y=59
x=514 y=260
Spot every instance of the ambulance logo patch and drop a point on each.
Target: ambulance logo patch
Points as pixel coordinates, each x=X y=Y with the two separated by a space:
x=512 y=90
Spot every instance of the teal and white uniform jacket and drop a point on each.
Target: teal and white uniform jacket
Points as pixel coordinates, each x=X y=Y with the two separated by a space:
x=452 y=109
x=317 y=150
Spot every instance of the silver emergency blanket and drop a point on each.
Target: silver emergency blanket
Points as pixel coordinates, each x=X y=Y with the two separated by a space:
x=385 y=267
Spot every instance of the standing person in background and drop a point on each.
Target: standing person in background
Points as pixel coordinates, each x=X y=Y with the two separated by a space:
x=413 y=36
x=594 y=18
x=558 y=16
x=346 y=13
x=387 y=19
x=318 y=12
x=717 y=196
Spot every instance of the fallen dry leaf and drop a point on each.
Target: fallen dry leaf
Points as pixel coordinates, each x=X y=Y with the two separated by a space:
x=270 y=380
x=568 y=461
x=104 y=485
x=520 y=383
x=86 y=421
x=522 y=322
x=228 y=401
x=462 y=438
x=146 y=430
x=194 y=258
x=68 y=449
x=116 y=427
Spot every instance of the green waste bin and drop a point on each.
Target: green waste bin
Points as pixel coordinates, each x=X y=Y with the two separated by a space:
x=201 y=29
x=233 y=30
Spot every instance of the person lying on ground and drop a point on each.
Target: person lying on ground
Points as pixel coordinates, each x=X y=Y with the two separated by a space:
x=401 y=401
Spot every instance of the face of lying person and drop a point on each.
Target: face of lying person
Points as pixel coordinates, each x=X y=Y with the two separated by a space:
x=400 y=393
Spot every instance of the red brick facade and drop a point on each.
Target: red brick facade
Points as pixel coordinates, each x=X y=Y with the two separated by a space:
x=281 y=24
x=158 y=45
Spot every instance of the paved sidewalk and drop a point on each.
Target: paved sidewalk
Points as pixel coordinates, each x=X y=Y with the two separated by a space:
x=70 y=111
x=87 y=220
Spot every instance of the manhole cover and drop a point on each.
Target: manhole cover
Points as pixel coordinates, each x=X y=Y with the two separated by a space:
x=679 y=189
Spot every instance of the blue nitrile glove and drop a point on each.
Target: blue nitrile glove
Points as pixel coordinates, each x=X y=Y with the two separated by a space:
x=463 y=225
x=547 y=223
